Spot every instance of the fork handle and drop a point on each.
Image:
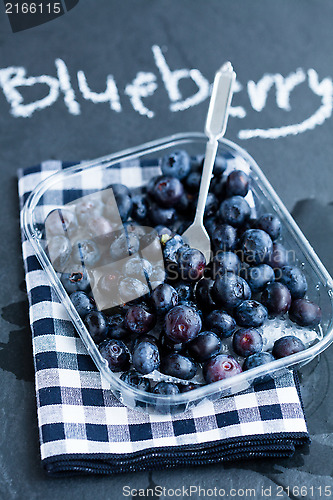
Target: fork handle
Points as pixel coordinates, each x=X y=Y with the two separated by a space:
x=216 y=123
x=211 y=150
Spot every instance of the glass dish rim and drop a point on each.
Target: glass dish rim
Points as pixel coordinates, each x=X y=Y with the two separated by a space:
x=137 y=151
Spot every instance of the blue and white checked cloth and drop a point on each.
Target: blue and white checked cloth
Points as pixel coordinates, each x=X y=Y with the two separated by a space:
x=84 y=429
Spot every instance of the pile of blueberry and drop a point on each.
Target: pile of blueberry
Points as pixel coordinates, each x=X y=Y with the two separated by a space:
x=178 y=326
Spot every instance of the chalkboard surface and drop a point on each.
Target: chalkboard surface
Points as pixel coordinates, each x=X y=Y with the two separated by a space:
x=110 y=74
x=87 y=69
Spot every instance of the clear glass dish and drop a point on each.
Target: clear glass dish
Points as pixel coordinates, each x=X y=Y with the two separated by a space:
x=92 y=176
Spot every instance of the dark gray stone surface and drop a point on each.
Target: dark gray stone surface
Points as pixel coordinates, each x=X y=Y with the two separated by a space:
x=114 y=37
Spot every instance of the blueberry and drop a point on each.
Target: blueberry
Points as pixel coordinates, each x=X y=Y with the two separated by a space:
x=125 y=244
x=138 y=320
x=241 y=230
x=167 y=346
x=107 y=284
x=224 y=262
x=87 y=208
x=230 y=290
x=220 y=367
x=295 y=280
x=76 y=280
x=224 y=237
x=257 y=359
x=179 y=366
x=182 y=323
x=247 y=341
x=100 y=229
x=150 y=186
x=258 y=276
x=97 y=325
x=82 y=303
x=237 y=183
x=192 y=182
x=164 y=298
x=285 y=346
x=167 y=191
x=276 y=298
x=166 y=389
x=279 y=256
x=210 y=225
x=192 y=305
x=118 y=190
x=176 y=164
x=61 y=222
x=145 y=358
x=220 y=164
x=204 y=346
x=217 y=186
x=150 y=247
x=163 y=231
x=181 y=225
x=124 y=204
x=171 y=248
x=59 y=250
x=86 y=252
x=131 y=289
x=133 y=379
x=234 y=211
x=157 y=277
x=269 y=223
x=221 y=323
x=196 y=163
x=140 y=208
x=256 y=246
x=211 y=206
x=191 y=264
x=184 y=291
x=251 y=313
x=145 y=337
x=203 y=294
x=136 y=267
x=185 y=204
x=116 y=354
x=305 y=313
x=123 y=201
x=116 y=327
x=131 y=226
x=160 y=215
x=172 y=273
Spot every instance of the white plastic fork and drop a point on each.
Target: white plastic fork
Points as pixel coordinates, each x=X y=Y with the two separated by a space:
x=196 y=235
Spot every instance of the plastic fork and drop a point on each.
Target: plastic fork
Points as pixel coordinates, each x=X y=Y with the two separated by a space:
x=196 y=235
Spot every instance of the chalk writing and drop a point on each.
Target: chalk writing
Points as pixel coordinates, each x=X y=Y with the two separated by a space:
x=110 y=94
x=145 y=84
x=171 y=81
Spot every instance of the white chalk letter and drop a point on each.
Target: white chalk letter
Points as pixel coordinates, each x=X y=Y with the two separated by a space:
x=143 y=85
x=109 y=95
x=15 y=76
x=66 y=87
x=237 y=111
x=285 y=85
x=323 y=89
x=258 y=92
x=171 y=81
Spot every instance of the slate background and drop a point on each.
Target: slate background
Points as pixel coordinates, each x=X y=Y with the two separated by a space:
x=116 y=37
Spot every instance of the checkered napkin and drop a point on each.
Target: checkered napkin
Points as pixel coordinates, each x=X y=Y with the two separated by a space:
x=84 y=429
